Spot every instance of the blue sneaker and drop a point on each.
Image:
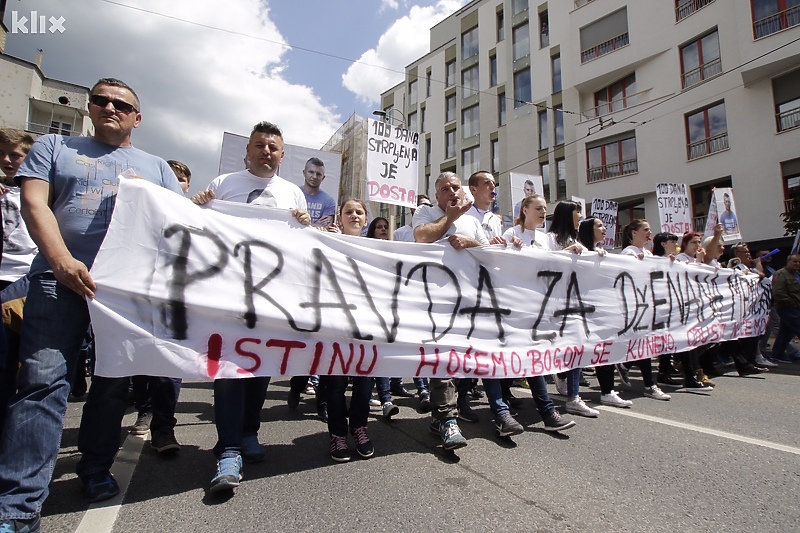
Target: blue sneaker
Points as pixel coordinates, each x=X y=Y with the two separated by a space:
x=29 y=525
x=252 y=451
x=452 y=439
x=99 y=487
x=229 y=474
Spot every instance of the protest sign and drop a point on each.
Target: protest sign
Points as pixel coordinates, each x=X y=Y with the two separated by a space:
x=236 y=290
x=581 y=202
x=606 y=210
x=726 y=211
x=392 y=162
x=674 y=208
x=523 y=185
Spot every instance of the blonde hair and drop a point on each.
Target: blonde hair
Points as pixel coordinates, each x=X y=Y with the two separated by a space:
x=525 y=203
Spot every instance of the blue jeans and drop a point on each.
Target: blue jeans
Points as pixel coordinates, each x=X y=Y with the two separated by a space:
x=788 y=329
x=540 y=397
x=338 y=413
x=56 y=320
x=574 y=382
x=237 y=412
x=494 y=393
x=157 y=395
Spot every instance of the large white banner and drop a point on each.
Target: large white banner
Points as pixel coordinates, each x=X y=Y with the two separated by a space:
x=234 y=290
x=392 y=163
x=674 y=208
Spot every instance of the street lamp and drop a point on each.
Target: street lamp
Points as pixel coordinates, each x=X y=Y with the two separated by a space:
x=385 y=116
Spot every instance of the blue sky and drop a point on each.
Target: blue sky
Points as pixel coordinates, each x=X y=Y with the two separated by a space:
x=201 y=69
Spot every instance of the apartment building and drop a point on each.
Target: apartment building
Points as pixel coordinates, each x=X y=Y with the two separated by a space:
x=607 y=98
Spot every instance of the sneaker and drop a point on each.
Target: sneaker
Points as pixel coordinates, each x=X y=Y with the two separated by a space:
x=577 y=407
x=666 y=380
x=561 y=386
x=142 y=425
x=704 y=379
x=466 y=413
x=228 y=476
x=506 y=425
x=624 y=379
x=556 y=422
x=401 y=392
x=374 y=403
x=389 y=410
x=435 y=427
x=694 y=385
x=311 y=390
x=749 y=370
x=164 y=441
x=339 y=450
x=784 y=358
x=364 y=446
x=763 y=361
x=28 y=525
x=293 y=400
x=656 y=393
x=252 y=451
x=451 y=436
x=475 y=393
x=613 y=399
x=424 y=401
x=99 y=487
x=322 y=411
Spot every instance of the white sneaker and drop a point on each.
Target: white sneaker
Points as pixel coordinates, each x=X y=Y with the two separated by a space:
x=577 y=407
x=613 y=399
x=374 y=403
x=763 y=361
x=561 y=385
x=656 y=393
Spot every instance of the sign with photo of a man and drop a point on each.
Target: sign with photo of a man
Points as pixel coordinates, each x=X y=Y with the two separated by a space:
x=726 y=214
x=523 y=185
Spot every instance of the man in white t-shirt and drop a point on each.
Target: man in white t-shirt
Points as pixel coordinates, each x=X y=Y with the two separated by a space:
x=238 y=402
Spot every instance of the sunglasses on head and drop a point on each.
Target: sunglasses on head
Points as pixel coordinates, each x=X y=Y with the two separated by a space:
x=119 y=105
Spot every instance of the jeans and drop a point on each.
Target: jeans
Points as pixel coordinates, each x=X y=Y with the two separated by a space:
x=383 y=387
x=55 y=323
x=157 y=395
x=338 y=413
x=574 y=382
x=494 y=393
x=789 y=328
x=540 y=397
x=100 y=437
x=298 y=384
x=237 y=412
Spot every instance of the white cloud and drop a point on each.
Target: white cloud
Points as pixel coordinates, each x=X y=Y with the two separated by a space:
x=388 y=4
x=383 y=67
x=194 y=82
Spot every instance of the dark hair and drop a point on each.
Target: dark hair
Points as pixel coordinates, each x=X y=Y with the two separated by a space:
x=177 y=166
x=688 y=236
x=660 y=239
x=473 y=180
x=627 y=231
x=374 y=225
x=523 y=204
x=420 y=197
x=586 y=233
x=114 y=82
x=268 y=128
x=563 y=224
x=316 y=161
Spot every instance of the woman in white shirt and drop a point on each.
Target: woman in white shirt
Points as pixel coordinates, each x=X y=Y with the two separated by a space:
x=532 y=214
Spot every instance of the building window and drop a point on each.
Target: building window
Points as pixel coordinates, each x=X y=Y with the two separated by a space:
x=520 y=36
x=501 y=109
x=495 y=156
x=450 y=144
x=469 y=43
x=555 y=63
x=604 y=35
x=412 y=122
x=700 y=59
x=412 y=93
x=61 y=128
x=501 y=30
x=470 y=161
x=522 y=87
x=790 y=170
x=518 y=6
x=428 y=149
x=544 y=170
x=544 y=30
x=558 y=114
x=543 y=140
x=470 y=122
x=561 y=179
x=771 y=16
x=492 y=71
x=469 y=82
x=428 y=83
x=611 y=160
x=422 y=120
x=707 y=131
x=684 y=8
x=450 y=108
x=786 y=93
x=618 y=95
x=450 y=73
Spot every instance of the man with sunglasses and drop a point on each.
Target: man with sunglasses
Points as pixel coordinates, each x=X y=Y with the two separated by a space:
x=69 y=186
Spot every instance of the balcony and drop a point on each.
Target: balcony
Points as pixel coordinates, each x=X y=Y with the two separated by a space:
x=777 y=22
x=703 y=72
x=684 y=8
x=788 y=205
x=604 y=48
x=708 y=146
x=617 y=105
x=788 y=120
x=613 y=170
x=699 y=223
x=44 y=129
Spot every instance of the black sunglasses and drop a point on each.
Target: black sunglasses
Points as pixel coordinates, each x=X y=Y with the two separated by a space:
x=119 y=105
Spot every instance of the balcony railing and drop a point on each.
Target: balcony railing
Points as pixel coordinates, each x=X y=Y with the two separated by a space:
x=44 y=129
x=618 y=104
x=707 y=146
x=613 y=170
x=581 y=3
x=703 y=72
x=777 y=22
x=788 y=205
x=699 y=223
x=604 y=48
x=789 y=119
x=684 y=8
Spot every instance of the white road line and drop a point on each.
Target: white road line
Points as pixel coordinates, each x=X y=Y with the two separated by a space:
x=700 y=429
x=101 y=516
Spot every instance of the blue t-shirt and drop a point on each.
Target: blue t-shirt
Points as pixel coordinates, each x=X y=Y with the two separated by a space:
x=82 y=173
x=729 y=222
x=320 y=205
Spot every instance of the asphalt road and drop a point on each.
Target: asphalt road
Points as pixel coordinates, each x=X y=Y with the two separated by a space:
x=725 y=461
